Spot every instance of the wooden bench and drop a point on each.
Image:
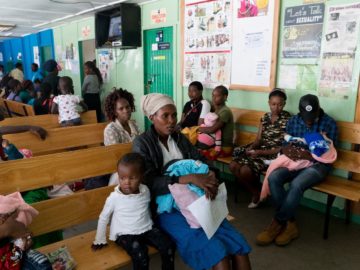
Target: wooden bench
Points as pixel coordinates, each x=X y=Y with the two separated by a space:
x=71 y=210
x=15 y=108
x=59 y=139
x=47 y=121
x=334 y=186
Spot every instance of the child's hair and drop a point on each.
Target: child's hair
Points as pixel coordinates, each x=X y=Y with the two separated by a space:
x=198 y=85
x=224 y=91
x=37 y=81
x=133 y=159
x=28 y=85
x=113 y=97
x=13 y=84
x=66 y=85
x=91 y=65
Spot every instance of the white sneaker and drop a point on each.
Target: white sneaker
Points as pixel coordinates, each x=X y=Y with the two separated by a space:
x=253 y=205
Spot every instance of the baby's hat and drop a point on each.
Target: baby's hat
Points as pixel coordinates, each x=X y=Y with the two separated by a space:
x=321 y=147
x=210 y=119
x=317 y=143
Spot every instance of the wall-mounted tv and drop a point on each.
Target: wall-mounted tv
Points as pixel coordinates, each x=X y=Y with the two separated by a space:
x=119 y=26
x=115 y=28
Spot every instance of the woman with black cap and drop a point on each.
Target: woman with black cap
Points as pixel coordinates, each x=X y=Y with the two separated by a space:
x=251 y=160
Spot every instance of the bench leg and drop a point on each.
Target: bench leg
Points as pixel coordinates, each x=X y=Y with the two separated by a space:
x=236 y=190
x=330 y=201
x=348 y=211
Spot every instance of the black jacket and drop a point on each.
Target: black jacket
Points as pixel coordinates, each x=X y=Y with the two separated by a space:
x=147 y=144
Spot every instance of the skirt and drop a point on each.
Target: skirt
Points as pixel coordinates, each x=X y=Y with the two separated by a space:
x=195 y=248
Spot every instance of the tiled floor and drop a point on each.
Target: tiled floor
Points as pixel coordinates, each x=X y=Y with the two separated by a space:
x=309 y=252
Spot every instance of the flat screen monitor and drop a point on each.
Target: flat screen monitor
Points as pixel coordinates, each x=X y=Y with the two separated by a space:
x=115 y=28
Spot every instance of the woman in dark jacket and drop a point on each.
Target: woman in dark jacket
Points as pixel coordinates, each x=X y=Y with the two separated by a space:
x=161 y=145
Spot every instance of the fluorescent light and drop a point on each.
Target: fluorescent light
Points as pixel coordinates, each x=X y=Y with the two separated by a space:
x=116 y=2
x=26 y=34
x=6 y=27
x=8 y=34
x=63 y=18
x=40 y=24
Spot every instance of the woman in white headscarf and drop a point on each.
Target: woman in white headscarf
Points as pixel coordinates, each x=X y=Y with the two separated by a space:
x=161 y=144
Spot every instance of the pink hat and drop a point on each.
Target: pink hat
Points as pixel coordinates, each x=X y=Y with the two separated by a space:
x=210 y=119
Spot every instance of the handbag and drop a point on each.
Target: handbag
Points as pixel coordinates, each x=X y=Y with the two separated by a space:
x=191 y=134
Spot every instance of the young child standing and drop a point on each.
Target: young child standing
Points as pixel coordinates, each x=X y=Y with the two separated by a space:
x=131 y=225
x=65 y=104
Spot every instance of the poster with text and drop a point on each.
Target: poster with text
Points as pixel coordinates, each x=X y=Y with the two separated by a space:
x=252 y=50
x=207 y=41
x=104 y=65
x=302 y=31
x=339 y=48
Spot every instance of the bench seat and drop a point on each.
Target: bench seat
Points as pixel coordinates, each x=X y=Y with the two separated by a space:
x=79 y=246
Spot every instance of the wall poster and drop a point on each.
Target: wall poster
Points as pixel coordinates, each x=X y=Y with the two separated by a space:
x=339 y=49
x=302 y=31
x=254 y=47
x=207 y=42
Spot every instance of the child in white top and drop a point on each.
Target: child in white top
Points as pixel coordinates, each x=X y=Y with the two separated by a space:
x=131 y=226
x=65 y=104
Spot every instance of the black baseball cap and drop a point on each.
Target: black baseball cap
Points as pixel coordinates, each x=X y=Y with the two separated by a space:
x=309 y=107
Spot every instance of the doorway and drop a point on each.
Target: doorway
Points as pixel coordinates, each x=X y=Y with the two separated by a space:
x=158 y=62
x=86 y=53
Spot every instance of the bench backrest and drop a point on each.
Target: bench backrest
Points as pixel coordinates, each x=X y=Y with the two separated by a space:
x=348 y=160
x=15 y=108
x=47 y=121
x=48 y=170
x=59 y=168
x=60 y=138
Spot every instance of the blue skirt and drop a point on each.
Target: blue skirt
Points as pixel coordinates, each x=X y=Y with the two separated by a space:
x=195 y=248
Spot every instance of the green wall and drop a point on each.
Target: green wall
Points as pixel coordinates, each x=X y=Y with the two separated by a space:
x=127 y=68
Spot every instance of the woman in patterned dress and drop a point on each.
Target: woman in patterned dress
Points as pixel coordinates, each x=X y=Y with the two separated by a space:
x=119 y=105
x=251 y=160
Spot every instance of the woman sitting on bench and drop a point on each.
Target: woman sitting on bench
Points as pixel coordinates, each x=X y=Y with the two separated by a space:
x=250 y=161
x=119 y=105
x=161 y=144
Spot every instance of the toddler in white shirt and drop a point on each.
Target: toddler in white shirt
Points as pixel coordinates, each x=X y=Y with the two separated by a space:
x=66 y=103
x=131 y=225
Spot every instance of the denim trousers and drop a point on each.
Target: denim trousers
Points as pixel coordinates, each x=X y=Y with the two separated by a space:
x=287 y=201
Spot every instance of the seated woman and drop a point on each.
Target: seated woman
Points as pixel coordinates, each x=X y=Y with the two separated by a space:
x=118 y=107
x=161 y=144
x=225 y=123
x=250 y=161
x=194 y=110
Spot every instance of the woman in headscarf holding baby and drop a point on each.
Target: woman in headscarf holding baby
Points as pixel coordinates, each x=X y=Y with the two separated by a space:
x=161 y=144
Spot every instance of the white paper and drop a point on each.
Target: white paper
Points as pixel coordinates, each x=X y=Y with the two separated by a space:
x=288 y=76
x=210 y=214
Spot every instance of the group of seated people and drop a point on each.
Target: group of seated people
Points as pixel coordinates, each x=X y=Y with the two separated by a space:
x=54 y=94
x=305 y=141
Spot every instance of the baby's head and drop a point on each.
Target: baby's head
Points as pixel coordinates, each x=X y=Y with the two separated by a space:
x=210 y=119
x=131 y=168
x=66 y=85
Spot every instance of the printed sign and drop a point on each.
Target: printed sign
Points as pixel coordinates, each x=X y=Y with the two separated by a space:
x=158 y=15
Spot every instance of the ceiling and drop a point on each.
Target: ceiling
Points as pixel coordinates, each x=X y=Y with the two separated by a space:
x=32 y=16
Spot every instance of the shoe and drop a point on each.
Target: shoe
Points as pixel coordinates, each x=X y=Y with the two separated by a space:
x=253 y=205
x=267 y=236
x=290 y=233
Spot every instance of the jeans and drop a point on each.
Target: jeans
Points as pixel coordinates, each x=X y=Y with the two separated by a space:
x=286 y=202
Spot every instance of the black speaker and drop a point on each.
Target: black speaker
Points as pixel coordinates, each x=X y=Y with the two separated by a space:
x=119 y=26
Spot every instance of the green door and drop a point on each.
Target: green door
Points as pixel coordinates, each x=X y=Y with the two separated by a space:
x=158 y=62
